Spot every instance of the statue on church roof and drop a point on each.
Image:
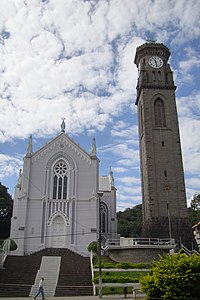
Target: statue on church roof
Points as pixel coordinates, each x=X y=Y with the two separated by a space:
x=111 y=178
x=30 y=146
x=19 y=181
x=63 y=125
x=94 y=147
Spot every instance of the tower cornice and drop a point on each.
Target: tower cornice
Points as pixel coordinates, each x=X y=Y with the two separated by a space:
x=151 y=49
x=152 y=86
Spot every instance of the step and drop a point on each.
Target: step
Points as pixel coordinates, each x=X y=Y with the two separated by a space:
x=49 y=269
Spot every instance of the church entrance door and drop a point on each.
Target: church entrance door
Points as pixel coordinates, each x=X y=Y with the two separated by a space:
x=58 y=232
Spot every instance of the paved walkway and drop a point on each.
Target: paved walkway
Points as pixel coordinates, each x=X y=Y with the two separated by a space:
x=109 y=297
x=106 y=297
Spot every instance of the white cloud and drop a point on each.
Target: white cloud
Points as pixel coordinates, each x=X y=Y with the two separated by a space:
x=119 y=169
x=125 y=132
x=187 y=67
x=131 y=190
x=64 y=50
x=130 y=180
x=9 y=165
x=74 y=59
x=194 y=183
x=188 y=108
x=125 y=162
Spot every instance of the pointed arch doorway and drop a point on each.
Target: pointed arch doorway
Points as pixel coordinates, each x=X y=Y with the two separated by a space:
x=58 y=236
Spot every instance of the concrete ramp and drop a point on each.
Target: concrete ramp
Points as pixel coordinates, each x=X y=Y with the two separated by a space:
x=49 y=269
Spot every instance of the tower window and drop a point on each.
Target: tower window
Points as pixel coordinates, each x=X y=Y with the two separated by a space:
x=163 y=143
x=60 y=181
x=159 y=76
x=159 y=112
x=165 y=173
x=153 y=76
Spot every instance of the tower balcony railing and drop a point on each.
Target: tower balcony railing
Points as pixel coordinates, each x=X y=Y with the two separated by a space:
x=140 y=242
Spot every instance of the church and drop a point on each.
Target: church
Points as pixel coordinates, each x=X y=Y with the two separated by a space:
x=59 y=197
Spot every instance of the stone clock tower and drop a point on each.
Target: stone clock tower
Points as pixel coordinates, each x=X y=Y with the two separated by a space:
x=163 y=189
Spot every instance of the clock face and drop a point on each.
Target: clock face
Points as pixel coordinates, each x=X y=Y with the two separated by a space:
x=155 y=62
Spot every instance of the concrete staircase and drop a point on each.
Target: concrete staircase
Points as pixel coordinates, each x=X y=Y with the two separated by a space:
x=66 y=274
x=18 y=275
x=75 y=275
x=49 y=269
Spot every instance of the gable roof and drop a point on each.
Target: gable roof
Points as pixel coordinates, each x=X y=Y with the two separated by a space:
x=62 y=138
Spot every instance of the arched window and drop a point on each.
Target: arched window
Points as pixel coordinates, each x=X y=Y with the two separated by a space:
x=153 y=76
x=60 y=181
x=159 y=76
x=104 y=218
x=159 y=112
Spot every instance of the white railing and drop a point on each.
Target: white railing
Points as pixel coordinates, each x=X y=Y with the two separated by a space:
x=127 y=242
x=92 y=272
x=111 y=242
x=4 y=251
x=188 y=252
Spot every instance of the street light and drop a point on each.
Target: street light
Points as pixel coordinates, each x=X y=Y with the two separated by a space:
x=100 y=194
x=167 y=188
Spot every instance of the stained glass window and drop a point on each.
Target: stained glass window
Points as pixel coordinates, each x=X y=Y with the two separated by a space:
x=60 y=181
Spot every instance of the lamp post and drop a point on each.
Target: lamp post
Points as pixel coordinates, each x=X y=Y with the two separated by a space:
x=167 y=188
x=100 y=194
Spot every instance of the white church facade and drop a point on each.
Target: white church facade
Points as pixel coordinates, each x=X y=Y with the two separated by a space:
x=56 y=203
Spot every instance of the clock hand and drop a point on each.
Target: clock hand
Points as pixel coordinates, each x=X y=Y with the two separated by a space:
x=155 y=62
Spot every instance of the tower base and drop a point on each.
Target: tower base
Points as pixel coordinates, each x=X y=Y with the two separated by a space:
x=178 y=229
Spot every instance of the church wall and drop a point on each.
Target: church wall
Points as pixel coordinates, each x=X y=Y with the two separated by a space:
x=49 y=221
x=33 y=225
x=82 y=187
x=86 y=223
x=86 y=177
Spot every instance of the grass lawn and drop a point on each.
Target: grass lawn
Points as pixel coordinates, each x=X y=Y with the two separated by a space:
x=114 y=290
x=105 y=259
x=120 y=276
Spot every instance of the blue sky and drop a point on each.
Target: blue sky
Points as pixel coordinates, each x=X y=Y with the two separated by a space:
x=74 y=59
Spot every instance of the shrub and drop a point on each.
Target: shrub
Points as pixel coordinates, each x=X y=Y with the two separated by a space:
x=141 y=266
x=108 y=265
x=128 y=265
x=117 y=279
x=124 y=265
x=13 y=245
x=173 y=277
x=92 y=246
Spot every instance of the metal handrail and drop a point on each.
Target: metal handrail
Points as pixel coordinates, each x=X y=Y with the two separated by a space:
x=4 y=251
x=140 y=241
x=189 y=252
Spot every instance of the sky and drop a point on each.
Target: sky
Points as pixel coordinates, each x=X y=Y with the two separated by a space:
x=75 y=59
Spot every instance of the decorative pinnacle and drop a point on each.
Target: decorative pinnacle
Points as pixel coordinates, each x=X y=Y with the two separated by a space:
x=94 y=147
x=63 y=125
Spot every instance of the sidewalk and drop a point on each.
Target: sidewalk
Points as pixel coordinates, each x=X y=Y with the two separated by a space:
x=106 y=297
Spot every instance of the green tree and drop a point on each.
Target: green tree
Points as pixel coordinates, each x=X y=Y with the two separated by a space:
x=174 y=277
x=194 y=209
x=195 y=202
x=129 y=222
x=6 y=204
x=92 y=246
x=13 y=245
